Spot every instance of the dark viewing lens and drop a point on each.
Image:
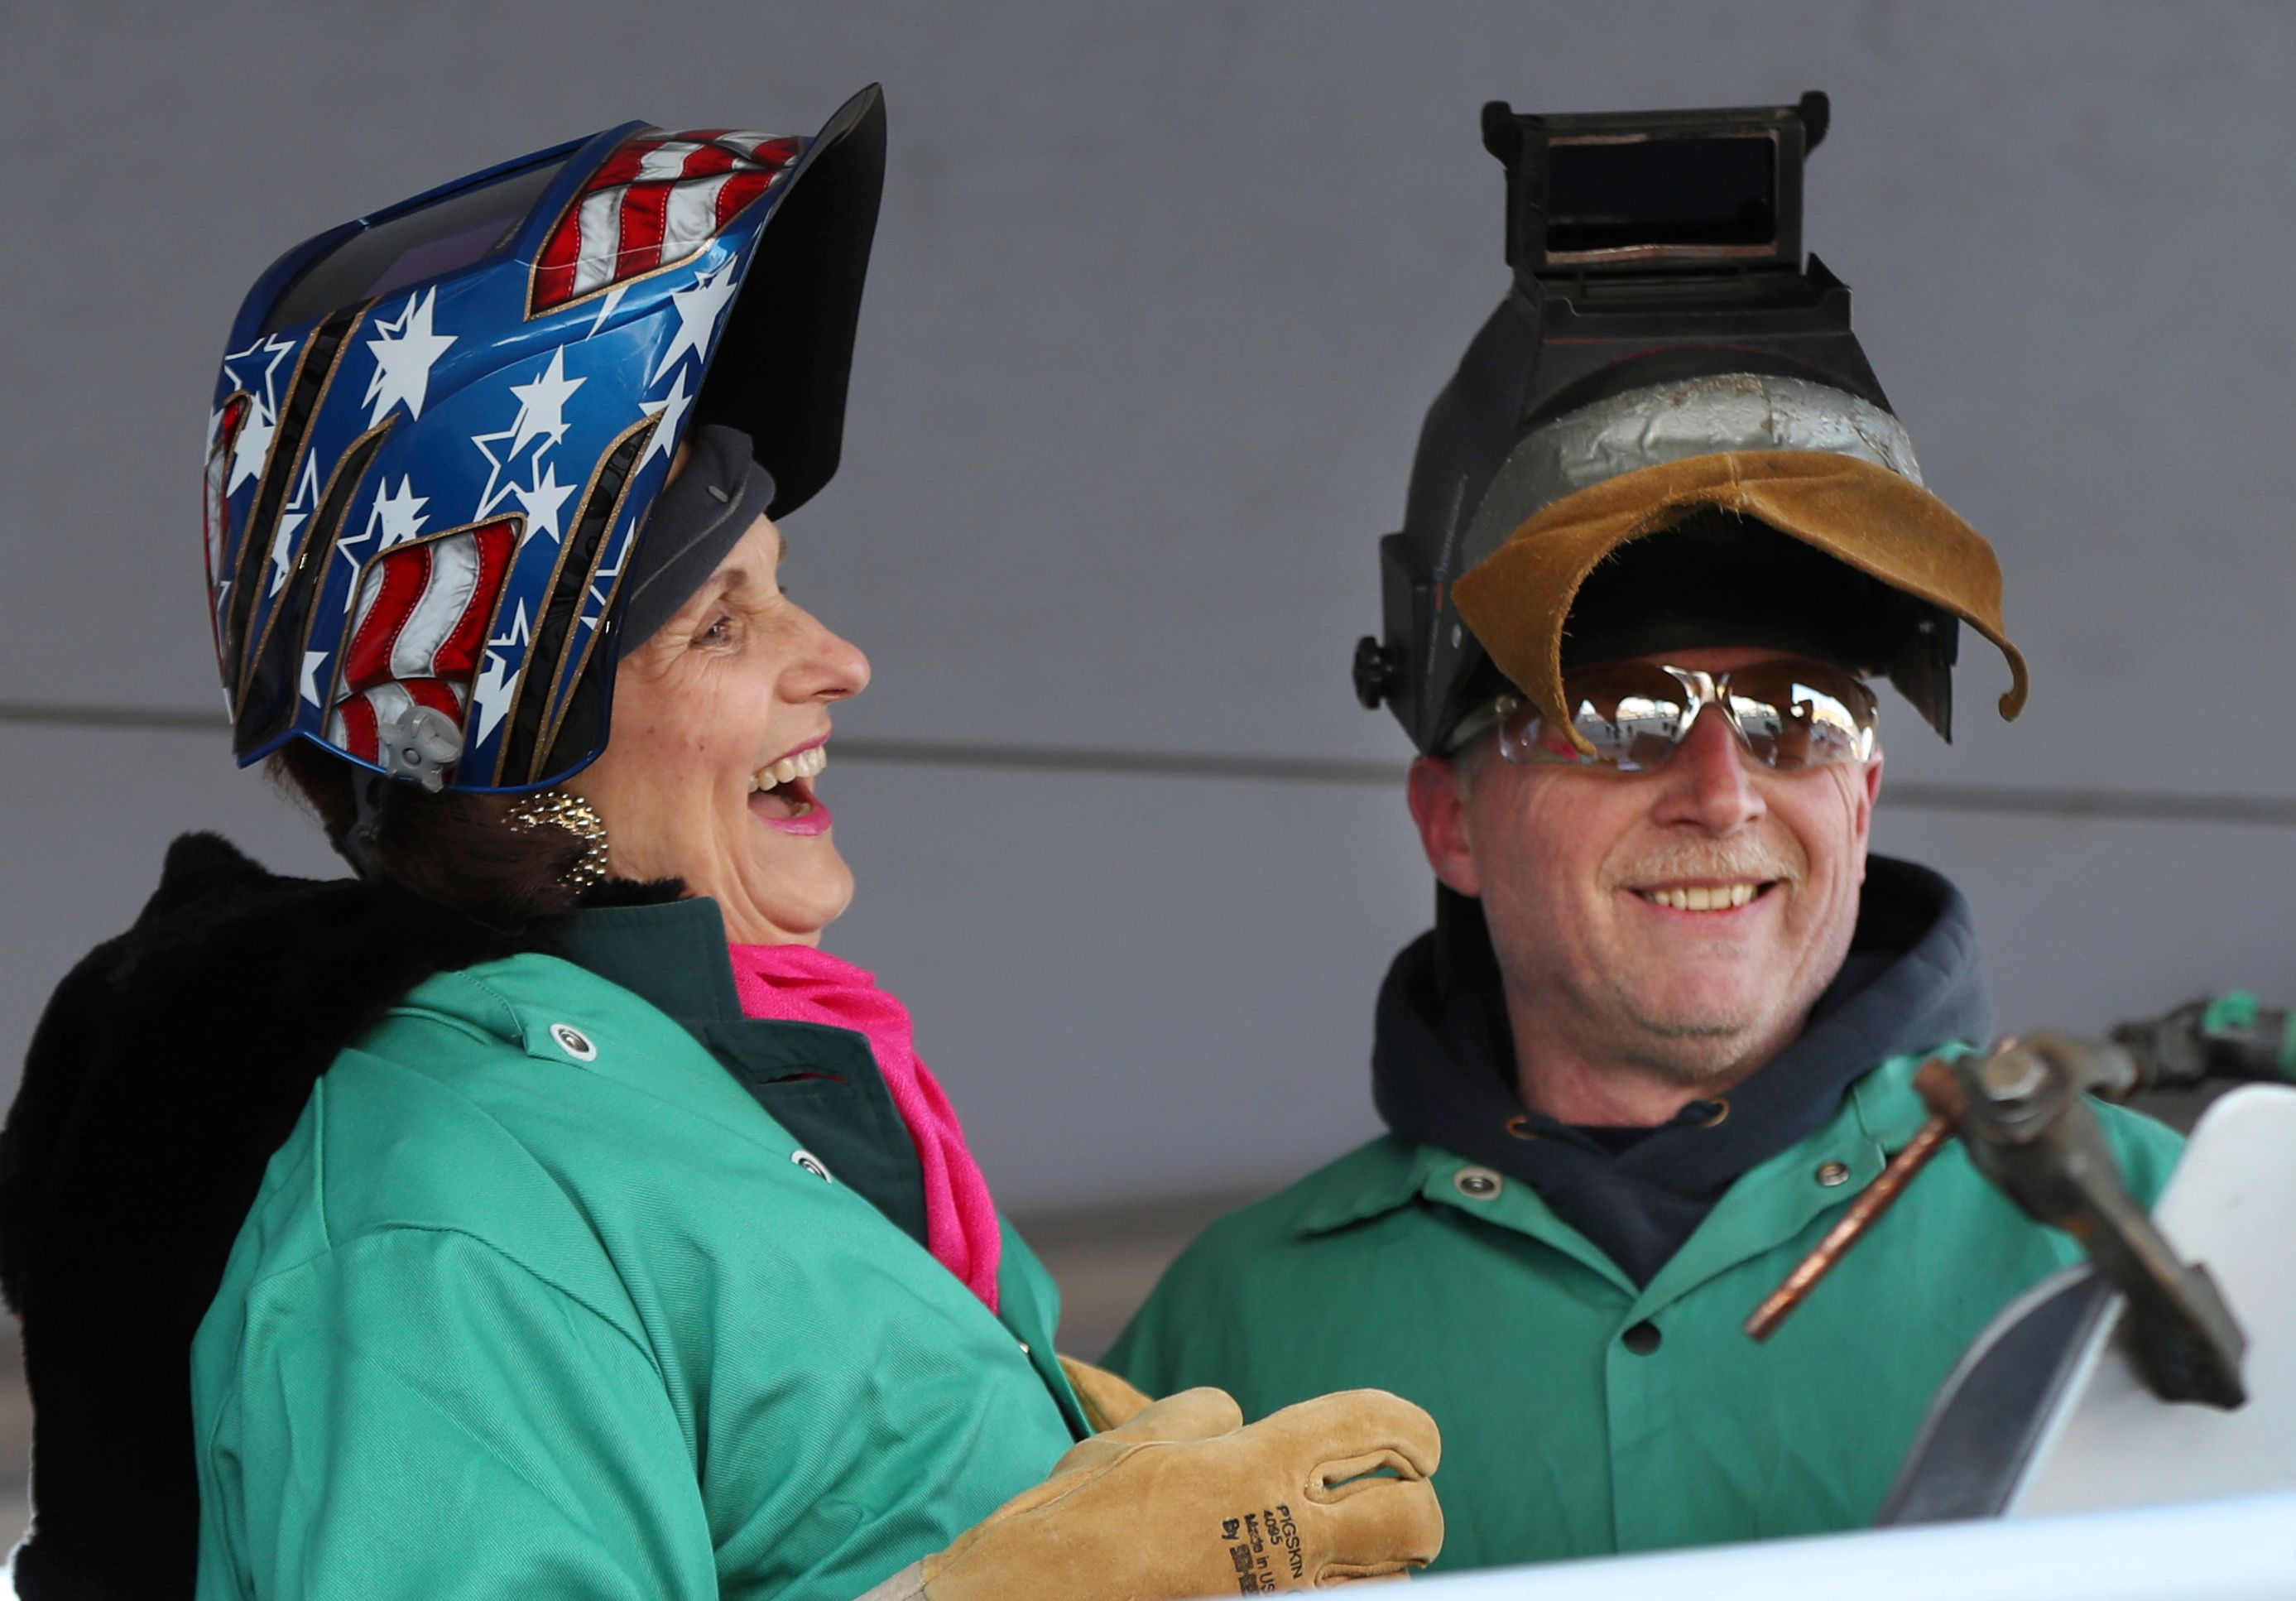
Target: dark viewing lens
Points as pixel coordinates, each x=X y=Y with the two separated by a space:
x=420 y=245
x=1610 y=196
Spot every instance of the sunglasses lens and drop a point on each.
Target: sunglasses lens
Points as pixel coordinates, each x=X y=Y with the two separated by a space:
x=1633 y=715
x=1802 y=714
x=1794 y=715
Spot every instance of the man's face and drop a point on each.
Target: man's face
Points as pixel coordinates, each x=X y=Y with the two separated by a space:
x=1581 y=872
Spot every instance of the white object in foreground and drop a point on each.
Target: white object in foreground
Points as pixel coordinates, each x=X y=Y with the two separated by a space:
x=2242 y=1550
x=2232 y=1206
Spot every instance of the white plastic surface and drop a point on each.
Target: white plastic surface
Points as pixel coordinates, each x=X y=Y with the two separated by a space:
x=2233 y=1550
x=2231 y=1206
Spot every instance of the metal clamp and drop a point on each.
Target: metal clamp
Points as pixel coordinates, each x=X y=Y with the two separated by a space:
x=2021 y=1111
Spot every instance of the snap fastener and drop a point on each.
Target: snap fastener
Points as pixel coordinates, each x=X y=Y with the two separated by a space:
x=1642 y=1339
x=811 y=1164
x=1721 y=1104
x=1478 y=1183
x=1832 y=1174
x=1519 y=1125
x=1025 y=1348
x=573 y=1041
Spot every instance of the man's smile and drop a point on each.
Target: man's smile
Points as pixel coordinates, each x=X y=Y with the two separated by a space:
x=1706 y=898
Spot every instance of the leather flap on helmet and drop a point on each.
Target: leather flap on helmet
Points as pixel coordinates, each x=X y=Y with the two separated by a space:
x=1517 y=601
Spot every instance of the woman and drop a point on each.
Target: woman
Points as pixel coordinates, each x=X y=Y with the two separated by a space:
x=555 y=1219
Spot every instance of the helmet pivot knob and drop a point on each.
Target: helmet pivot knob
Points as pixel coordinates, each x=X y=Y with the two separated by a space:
x=1374 y=672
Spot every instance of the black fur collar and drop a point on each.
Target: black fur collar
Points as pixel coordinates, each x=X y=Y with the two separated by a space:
x=169 y=1066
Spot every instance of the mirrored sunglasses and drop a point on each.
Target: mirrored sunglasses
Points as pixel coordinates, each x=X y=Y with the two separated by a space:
x=1791 y=715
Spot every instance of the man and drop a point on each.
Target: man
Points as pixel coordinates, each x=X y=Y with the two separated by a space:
x=1665 y=1028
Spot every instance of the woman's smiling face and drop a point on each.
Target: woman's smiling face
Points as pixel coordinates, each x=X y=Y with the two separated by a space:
x=720 y=726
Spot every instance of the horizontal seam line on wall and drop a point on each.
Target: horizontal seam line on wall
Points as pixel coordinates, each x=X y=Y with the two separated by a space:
x=2124 y=805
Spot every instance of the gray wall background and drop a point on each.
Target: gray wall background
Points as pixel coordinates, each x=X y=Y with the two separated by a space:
x=1160 y=297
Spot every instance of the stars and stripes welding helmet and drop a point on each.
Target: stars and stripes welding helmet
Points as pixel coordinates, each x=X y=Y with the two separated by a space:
x=440 y=430
x=1666 y=435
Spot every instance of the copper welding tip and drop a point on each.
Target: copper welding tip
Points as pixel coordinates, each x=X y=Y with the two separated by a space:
x=1863 y=1214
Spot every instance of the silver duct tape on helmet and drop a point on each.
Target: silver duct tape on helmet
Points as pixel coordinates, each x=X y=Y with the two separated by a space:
x=1725 y=412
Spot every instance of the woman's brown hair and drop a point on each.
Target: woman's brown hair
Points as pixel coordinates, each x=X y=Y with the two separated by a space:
x=460 y=851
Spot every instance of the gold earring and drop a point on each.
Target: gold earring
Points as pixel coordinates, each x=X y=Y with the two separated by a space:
x=558 y=808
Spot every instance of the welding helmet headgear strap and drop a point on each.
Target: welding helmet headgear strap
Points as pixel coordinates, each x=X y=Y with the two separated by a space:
x=701 y=516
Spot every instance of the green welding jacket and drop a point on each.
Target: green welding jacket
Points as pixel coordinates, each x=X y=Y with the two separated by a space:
x=540 y=1299
x=1582 y=1415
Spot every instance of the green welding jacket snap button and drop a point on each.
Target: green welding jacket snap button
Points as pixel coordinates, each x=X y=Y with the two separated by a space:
x=573 y=1041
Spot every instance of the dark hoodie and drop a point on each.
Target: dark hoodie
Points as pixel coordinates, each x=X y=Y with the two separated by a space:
x=1443 y=1073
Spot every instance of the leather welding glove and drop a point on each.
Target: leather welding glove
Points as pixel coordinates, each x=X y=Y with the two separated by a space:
x=1109 y=1401
x=1181 y=1502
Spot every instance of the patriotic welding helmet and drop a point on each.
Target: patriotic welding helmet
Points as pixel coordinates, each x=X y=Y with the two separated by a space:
x=439 y=429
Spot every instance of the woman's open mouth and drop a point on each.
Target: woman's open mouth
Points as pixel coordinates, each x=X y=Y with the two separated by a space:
x=781 y=797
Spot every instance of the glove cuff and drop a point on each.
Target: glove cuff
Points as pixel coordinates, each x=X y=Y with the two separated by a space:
x=907 y=1585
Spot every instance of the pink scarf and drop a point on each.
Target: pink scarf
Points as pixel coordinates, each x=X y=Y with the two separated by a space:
x=797 y=983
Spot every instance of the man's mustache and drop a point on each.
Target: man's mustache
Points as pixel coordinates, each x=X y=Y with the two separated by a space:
x=1758 y=861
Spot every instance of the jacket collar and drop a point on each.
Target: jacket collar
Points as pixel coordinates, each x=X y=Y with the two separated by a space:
x=1771 y=1205
x=1366 y=1183
x=672 y=953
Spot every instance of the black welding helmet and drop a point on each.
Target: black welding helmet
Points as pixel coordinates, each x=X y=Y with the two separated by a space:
x=1665 y=434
